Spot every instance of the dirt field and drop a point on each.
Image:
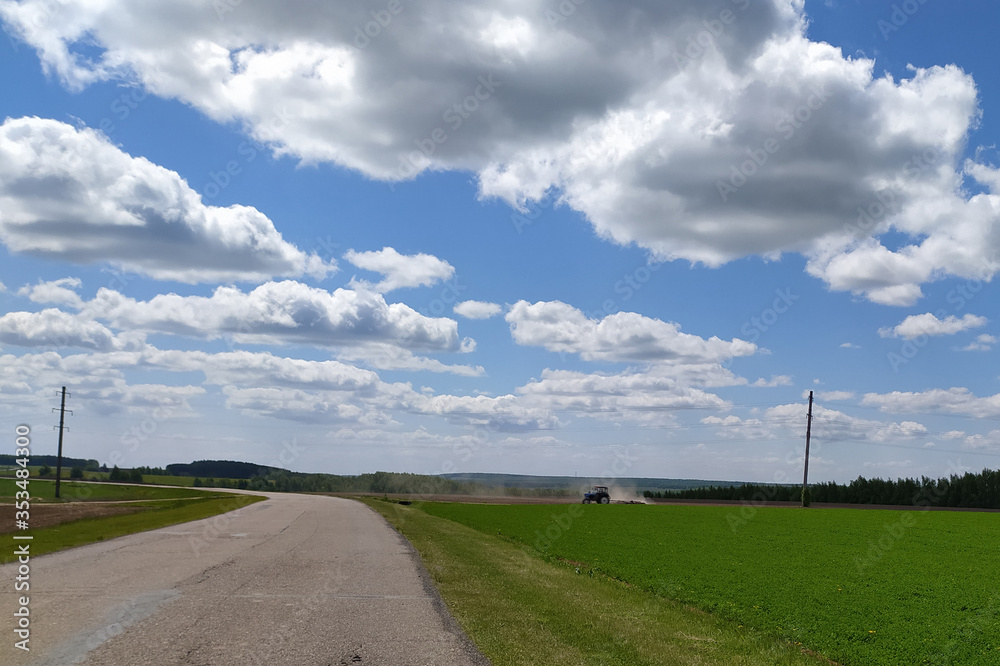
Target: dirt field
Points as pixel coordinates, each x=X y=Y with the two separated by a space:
x=47 y=515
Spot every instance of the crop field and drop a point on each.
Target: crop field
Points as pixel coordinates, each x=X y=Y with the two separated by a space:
x=858 y=587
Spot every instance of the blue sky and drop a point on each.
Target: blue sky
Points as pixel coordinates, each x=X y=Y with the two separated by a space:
x=547 y=238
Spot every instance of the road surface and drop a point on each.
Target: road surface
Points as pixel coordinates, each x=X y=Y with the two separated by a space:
x=299 y=579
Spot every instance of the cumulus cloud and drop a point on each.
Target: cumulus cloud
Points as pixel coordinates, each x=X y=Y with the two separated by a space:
x=928 y=324
x=623 y=336
x=734 y=427
x=476 y=309
x=979 y=442
x=301 y=406
x=358 y=324
x=285 y=313
x=97 y=381
x=794 y=146
x=955 y=400
x=829 y=425
x=55 y=292
x=384 y=356
x=650 y=396
x=774 y=381
x=417 y=270
x=835 y=396
x=983 y=342
x=57 y=329
x=504 y=413
x=833 y=425
x=246 y=368
x=70 y=194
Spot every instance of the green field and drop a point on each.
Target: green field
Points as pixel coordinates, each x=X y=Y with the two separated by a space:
x=858 y=587
x=522 y=610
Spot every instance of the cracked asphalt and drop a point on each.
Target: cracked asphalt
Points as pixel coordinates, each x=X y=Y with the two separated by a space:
x=298 y=579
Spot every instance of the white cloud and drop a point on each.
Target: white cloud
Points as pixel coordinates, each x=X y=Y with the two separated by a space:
x=835 y=396
x=791 y=141
x=2 y=288
x=264 y=369
x=623 y=336
x=70 y=194
x=358 y=323
x=983 y=342
x=476 y=309
x=300 y=406
x=951 y=401
x=829 y=425
x=850 y=345
x=987 y=442
x=159 y=399
x=652 y=395
x=774 y=381
x=56 y=329
x=56 y=292
x=916 y=326
x=733 y=427
x=417 y=270
x=383 y=356
x=833 y=425
x=503 y=413
x=97 y=382
x=280 y=313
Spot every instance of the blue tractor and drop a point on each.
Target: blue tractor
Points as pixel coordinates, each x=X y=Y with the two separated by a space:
x=599 y=495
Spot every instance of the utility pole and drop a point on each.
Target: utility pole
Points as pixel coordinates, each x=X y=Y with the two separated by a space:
x=62 y=424
x=805 y=473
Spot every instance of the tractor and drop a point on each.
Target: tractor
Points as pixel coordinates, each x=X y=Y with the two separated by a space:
x=599 y=495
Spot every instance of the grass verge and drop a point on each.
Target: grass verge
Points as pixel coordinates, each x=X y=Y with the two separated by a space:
x=521 y=609
x=152 y=515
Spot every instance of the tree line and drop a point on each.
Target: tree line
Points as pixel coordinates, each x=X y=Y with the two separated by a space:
x=979 y=491
x=376 y=482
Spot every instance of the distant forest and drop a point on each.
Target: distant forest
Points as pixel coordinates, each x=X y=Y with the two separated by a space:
x=7 y=460
x=980 y=491
x=377 y=482
x=229 y=469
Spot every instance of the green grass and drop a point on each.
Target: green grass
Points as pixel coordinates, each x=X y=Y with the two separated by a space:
x=166 y=480
x=521 y=609
x=152 y=516
x=72 y=491
x=9 y=470
x=859 y=587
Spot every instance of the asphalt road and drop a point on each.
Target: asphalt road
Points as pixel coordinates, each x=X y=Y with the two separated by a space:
x=300 y=580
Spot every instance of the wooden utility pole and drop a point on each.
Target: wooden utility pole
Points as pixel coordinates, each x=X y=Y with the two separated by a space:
x=805 y=473
x=62 y=424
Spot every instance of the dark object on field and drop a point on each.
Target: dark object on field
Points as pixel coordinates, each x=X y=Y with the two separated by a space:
x=405 y=502
x=599 y=495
